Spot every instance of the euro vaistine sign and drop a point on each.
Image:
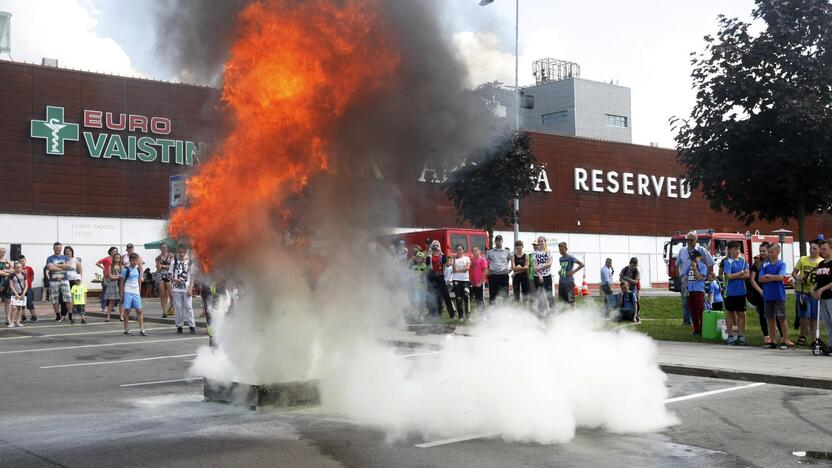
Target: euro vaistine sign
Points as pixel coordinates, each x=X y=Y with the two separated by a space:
x=149 y=141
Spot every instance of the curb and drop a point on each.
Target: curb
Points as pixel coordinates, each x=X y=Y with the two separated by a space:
x=793 y=381
x=199 y=324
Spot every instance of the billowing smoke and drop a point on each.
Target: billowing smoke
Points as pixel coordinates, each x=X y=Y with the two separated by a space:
x=321 y=87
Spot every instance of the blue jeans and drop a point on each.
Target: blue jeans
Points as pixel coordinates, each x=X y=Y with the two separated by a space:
x=685 y=310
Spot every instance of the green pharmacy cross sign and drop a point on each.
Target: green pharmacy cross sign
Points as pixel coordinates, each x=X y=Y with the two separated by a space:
x=54 y=130
x=109 y=135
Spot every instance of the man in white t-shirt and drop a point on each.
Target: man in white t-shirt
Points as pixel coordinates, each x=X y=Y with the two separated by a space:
x=460 y=279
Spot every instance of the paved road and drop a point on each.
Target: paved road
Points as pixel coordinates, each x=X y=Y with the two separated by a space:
x=88 y=396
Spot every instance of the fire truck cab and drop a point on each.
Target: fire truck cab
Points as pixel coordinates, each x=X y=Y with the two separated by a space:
x=447 y=237
x=717 y=244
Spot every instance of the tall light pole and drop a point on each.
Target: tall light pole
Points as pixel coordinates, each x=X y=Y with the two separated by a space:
x=516 y=99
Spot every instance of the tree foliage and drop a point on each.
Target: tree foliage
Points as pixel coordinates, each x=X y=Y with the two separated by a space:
x=758 y=142
x=483 y=190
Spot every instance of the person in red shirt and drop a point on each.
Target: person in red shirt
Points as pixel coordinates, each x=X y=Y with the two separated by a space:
x=104 y=264
x=477 y=275
x=29 y=273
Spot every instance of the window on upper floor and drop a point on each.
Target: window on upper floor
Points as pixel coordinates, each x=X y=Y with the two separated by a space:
x=616 y=121
x=554 y=118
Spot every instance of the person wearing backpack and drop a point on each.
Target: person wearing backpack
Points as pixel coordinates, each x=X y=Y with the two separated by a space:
x=130 y=286
x=628 y=307
x=631 y=275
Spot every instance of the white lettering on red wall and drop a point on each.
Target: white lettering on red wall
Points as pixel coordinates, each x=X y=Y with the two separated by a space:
x=629 y=183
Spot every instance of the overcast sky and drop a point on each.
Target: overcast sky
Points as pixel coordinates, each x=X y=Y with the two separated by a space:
x=644 y=44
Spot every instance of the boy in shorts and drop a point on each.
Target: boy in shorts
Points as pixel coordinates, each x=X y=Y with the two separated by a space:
x=774 y=296
x=628 y=308
x=79 y=301
x=736 y=271
x=130 y=283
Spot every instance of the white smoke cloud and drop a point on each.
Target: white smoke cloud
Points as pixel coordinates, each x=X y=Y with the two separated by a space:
x=518 y=378
x=64 y=30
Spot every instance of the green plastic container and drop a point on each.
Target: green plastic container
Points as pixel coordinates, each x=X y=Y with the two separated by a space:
x=710 y=319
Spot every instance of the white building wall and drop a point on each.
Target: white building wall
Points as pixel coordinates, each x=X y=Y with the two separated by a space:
x=89 y=236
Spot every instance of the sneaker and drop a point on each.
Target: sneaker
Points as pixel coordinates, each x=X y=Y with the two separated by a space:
x=83 y=321
x=143 y=333
x=192 y=330
x=19 y=325
x=772 y=345
x=697 y=333
x=58 y=317
x=742 y=341
x=178 y=330
x=731 y=340
x=128 y=333
x=72 y=321
x=9 y=325
x=25 y=320
x=34 y=318
x=784 y=346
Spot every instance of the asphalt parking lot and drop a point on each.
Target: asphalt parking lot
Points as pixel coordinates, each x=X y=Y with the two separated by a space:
x=74 y=395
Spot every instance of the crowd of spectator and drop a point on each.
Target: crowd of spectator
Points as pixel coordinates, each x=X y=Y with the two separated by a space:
x=121 y=277
x=453 y=280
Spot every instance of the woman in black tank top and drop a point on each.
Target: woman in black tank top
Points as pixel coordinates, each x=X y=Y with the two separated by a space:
x=520 y=272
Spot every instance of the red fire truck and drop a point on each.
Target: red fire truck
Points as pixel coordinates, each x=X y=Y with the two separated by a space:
x=717 y=244
x=447 y=237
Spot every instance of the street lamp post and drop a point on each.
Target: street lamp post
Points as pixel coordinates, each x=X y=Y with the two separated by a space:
x=516 y=99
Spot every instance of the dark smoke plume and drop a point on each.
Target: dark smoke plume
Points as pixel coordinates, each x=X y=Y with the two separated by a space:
x=426 y=114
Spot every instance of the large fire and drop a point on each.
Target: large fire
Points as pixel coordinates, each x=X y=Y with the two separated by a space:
x=294 y=69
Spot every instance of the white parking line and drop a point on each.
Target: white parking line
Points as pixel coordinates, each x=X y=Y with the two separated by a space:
x=713 y=392
x=74 y=334
x=101 y=363
x=124 y=343
x=454 y=440
x=157 y=382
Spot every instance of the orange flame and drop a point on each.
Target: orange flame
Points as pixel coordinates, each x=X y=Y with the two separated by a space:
x=293 y=70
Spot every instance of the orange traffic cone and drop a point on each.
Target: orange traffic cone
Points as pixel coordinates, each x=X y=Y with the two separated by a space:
x=575 y=291
x=584 y=288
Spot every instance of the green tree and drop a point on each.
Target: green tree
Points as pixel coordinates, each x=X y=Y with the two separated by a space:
x=758 y=142
x=483 y=190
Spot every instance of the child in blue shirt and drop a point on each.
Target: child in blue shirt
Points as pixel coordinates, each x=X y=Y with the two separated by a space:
x=696 y=273
x=628 y=308
x=714 y=292
x=774 y=296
